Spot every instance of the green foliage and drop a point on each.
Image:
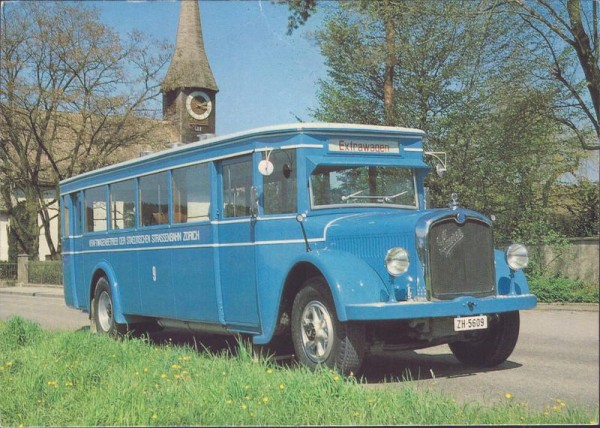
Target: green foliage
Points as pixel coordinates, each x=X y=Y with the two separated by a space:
x=563 y=290
x=83 y=379
x=578 y=212
x=462 y=75
x=537 y=235
x=48 y=272
x=18 y=333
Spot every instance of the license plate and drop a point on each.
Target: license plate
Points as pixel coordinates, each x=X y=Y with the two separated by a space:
x=470 y=323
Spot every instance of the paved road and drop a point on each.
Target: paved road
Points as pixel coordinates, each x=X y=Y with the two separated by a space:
x=556 y=357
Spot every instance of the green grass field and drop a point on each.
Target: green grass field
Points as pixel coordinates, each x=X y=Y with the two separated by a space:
x=50 y=378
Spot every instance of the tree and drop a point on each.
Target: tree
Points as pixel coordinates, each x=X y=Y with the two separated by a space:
x=459 y=75
x=565 y=36
x=72 y=93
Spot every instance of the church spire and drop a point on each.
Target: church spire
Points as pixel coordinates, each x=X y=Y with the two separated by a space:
x=189 y=66
x=189 y=88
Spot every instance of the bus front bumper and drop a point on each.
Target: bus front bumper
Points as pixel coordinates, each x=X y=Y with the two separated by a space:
x=461 y=306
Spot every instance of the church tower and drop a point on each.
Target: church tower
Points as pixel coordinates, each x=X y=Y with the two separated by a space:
x=189 y=88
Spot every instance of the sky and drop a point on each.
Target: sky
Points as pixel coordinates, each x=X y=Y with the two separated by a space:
x=265 y=77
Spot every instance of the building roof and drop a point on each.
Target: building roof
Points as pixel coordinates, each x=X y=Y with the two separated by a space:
x=189 y=66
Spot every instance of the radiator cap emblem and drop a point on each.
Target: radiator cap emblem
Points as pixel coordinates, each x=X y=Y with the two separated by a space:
x=454 y=202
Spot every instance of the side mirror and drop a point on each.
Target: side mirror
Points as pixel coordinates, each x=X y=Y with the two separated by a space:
x=441 y=166
x=253 y=201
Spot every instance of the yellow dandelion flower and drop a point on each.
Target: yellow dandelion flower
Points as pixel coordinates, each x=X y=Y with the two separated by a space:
x=137 y=373
x=177 y=376
x=336 y=378
x=69 y=383
x=154 y=416
x=265 y=399
x=145 y=370
x=175 y=366
x=246 y=387
x=508 y=395
x=1 y=368
x=185 y=372
x=9 y=364
x=247 y=397
x=252 y=414
x=269 y=371
x=228 y=401
x=244 y=407
x=163 y=376
x=281 y=386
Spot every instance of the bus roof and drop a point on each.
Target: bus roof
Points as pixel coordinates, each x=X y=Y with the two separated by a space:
x=346 y=129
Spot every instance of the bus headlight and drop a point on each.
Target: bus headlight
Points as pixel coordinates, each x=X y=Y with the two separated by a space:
x=396 y=261
x=517 y=256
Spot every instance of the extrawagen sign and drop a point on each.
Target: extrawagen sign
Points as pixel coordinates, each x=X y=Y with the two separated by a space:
x=314 y=234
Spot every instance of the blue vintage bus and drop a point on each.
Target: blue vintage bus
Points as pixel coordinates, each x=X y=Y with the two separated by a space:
x=316 y=234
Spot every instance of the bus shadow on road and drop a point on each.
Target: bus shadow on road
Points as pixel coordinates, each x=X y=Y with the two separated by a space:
x=378 y=368
x=408 y=366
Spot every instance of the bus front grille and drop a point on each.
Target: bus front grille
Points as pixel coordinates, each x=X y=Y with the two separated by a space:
x=461 y=259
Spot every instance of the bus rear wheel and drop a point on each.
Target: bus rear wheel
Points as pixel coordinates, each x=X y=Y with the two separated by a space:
x=102 y=317
x=319 y=337
x=494 y=346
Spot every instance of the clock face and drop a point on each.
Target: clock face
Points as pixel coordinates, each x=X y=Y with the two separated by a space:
x=198 y=105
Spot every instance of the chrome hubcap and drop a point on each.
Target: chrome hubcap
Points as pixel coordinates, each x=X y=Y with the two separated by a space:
x=105 y=311
x=317 y=332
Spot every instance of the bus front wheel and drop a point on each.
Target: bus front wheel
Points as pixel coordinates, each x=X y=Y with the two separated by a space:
x=102 y=317
x=319 y=337
x=493 y=346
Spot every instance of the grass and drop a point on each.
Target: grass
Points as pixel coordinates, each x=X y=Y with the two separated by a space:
x=50 y=378
x=563 y=290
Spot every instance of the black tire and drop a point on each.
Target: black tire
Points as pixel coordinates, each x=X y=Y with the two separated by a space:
x=494 y=346
x=102 y=316
x=337 y=345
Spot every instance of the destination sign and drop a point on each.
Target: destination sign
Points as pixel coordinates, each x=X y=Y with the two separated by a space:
x=362 y=146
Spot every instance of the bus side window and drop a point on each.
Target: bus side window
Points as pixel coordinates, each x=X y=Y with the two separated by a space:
x=95 y=209
x=122 y=205
x=280 y=188
x=154 y=199
x=191 y=193
x=237 y=181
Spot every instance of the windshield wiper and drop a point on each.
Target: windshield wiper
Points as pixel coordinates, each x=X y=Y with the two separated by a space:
x=353 y=195
x=388 y=199
x=358 y=195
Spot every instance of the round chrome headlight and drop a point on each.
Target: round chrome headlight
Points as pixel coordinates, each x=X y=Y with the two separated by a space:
x=517 y=257
x=396 y=261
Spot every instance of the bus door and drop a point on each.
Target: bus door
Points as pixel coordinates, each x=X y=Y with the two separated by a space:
x=154 y=259
x=76 y=245
x=235 y=242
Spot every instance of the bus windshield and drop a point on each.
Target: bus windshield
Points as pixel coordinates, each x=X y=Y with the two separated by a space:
x=335 y=186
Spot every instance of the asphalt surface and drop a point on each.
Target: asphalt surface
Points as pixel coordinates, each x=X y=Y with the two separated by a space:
x=556 y=358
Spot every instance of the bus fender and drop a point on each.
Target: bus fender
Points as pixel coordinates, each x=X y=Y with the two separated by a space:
x=351 y=280
x=114 y=287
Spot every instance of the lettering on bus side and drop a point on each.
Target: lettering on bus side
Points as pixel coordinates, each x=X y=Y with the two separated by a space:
x=362 y=146
x=151 y=238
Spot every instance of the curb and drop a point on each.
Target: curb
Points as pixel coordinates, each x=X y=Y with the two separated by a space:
x=576 y=307
x=33 y=291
